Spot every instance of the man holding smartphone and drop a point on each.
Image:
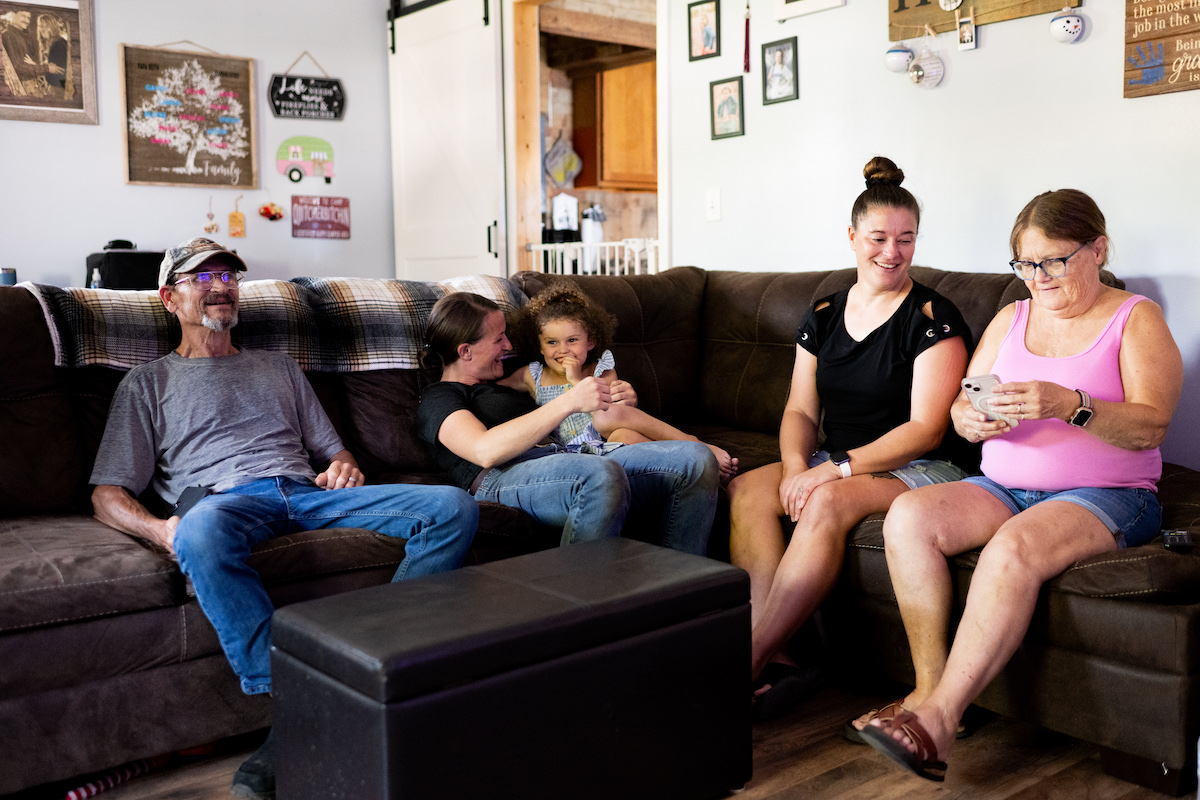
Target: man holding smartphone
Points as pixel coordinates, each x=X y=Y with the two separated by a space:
x=241 y=427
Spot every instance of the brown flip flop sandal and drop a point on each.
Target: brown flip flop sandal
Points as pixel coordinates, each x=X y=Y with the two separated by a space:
x=853 y=734
x=923 y=763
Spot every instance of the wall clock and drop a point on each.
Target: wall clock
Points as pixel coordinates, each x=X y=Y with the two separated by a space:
x=950 y=5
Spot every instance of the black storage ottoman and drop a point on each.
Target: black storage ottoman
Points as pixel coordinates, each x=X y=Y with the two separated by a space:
x=610 y=669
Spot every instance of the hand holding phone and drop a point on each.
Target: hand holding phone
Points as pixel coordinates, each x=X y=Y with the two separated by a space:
x=981 y=391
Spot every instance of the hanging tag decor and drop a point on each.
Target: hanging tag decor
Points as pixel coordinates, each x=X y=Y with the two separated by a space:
x=746 y=58
x=237 y=221
x=898 y=57
x=927 y=69
x=211 y=226
x=306 y=97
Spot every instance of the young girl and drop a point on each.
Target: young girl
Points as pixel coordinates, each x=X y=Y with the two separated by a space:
x=569 y=330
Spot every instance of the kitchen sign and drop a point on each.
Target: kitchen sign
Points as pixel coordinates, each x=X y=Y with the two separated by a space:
x=304 y=97
x=320 y=217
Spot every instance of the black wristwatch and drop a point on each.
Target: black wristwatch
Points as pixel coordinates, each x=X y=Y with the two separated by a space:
x=1083 y=414
x=842 y=459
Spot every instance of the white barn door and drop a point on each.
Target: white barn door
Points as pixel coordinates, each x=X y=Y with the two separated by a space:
x=448 y=152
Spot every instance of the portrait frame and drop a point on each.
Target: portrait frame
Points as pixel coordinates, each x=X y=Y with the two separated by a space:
x=74 y=22
x=774 y=91
x=214 y=144
x=718 y=117
x=786 y=9
x=698 y=12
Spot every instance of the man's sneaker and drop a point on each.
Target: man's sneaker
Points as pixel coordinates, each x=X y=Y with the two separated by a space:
x=255 y=779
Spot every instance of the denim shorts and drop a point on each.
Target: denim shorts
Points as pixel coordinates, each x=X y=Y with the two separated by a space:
x=1132 y=516
x=914 y=474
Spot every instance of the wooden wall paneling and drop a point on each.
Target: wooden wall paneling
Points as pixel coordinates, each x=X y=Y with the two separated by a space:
x=597 y=28
x=527 y=181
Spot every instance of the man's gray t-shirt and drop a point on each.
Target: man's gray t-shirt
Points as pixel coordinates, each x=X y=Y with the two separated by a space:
x=219 y=422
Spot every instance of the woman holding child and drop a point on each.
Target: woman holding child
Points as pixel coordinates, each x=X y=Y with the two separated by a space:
x=1091 y=377
x=492 y=441
x=882 y=361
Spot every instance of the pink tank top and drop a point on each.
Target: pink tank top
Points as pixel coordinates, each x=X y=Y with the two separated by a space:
x=1049 y=454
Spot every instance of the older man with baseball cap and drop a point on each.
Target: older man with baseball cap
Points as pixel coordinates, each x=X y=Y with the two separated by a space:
x=238 y=429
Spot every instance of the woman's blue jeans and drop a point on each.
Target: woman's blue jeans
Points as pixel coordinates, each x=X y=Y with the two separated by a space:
x=588 y=496
x=214 y=539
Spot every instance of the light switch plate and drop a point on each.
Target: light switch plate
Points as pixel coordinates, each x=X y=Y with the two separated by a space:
x=712 y=205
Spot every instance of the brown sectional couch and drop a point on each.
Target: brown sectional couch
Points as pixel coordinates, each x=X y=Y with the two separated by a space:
x=108 y=658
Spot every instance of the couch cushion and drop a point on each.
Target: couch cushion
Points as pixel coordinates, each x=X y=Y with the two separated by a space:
x=55 y=569
x=1149 y=573
x=378 y=415
x=43 y=469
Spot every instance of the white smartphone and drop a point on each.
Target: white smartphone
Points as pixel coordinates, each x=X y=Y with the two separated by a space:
x=981 y=390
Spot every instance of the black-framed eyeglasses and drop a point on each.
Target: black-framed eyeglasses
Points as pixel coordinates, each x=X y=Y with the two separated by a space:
x=1051 y=267
x=205 y=280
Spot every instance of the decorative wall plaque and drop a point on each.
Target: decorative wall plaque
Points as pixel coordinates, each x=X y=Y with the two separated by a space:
x=189 y=118
x=320 y=217
x=305 y=97
x=1162 y=47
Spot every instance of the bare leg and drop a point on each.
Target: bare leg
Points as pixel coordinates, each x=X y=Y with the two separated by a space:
x=921 y=530
x=755 y=533
x=621 y=423
x=813 y=559
x=1025 y=551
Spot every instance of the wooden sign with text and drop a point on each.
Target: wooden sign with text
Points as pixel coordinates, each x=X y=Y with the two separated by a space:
x=1162 y=46
x=907 y=18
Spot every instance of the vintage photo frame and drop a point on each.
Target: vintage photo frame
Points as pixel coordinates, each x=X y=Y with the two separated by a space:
x=51 y=75
x=704 y=29
x=188 y=118
x=786 y=9
x=780 y=74
x=722 y=116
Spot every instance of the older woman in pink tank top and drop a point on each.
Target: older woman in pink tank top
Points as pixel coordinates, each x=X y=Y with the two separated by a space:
x=1090 y=378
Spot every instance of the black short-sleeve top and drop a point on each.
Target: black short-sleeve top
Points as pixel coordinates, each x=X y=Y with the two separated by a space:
x=491 y=405
x=865 y=387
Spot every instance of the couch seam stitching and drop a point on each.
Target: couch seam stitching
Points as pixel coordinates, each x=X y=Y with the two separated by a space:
x=85 y=583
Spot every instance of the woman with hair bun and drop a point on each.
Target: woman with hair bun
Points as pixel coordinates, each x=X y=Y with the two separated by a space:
x=882 y=362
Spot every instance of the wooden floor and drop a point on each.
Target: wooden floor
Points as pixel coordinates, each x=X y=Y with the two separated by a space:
x=800 y=756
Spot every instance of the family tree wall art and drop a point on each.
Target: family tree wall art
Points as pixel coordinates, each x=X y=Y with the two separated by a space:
x=189 y=118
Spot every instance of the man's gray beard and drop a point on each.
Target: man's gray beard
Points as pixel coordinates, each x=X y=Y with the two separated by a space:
x=220 y=326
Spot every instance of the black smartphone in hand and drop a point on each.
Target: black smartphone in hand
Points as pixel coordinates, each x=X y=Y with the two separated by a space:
x=188 y=498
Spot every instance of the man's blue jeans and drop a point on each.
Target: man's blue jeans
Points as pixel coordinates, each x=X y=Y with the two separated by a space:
x=214 y=539
x=588 y=496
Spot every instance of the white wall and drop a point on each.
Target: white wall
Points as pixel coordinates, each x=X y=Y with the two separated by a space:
x=62 y=189
x=1017 y=116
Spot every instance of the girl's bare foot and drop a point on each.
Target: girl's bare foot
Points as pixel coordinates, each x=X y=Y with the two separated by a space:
x=727 y=463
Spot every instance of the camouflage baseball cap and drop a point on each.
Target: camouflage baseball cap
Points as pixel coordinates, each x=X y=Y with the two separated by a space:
x=188 y=257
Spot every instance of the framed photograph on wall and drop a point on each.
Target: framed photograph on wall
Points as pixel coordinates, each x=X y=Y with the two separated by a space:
x=780 y=77
x=189 y=118
x=726 y=108
x=47 y=61
x=704 y=29
x=786 y=9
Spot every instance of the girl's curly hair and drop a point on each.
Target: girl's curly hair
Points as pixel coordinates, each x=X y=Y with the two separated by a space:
x=562 y=299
